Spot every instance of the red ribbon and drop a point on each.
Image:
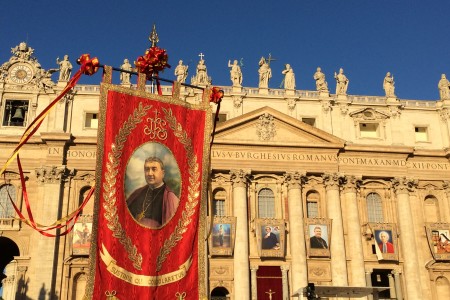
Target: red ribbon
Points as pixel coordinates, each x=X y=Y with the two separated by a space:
x=153 y=61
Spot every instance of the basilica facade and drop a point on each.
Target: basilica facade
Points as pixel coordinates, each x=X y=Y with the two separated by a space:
x=308 y=187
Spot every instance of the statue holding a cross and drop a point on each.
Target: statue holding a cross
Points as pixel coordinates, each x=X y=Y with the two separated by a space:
x=265 y=72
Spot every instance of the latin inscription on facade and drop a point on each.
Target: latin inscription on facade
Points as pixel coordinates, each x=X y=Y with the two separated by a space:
x=328 y=158
x=82 y=153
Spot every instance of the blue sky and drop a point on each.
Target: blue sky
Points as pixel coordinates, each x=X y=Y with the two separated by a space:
x=410 y=39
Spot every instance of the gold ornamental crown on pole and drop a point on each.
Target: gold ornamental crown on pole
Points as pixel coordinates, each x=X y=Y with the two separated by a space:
x=153 y=38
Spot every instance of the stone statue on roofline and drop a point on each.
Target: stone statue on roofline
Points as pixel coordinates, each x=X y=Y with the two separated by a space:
x=321 y=84
x=265 y=73
x=235 y=73
x=388 y=85
x=444 y=88
x=65 y=68
x=124 y=76
x=181 y=72
x=341 y=82
x=289 y=77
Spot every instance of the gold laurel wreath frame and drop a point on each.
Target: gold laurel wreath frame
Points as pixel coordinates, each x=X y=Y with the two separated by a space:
x=109 y=187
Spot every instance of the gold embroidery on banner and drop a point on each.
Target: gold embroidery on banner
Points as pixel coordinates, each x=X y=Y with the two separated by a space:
x=180 y=296
x=109 y=194
x=156 y=127
x=111 y=295
x=193 y=189
x=143 y=280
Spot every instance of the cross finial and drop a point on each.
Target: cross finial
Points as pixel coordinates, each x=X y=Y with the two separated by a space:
x=269 y=59
x=154 y=36
x=201 y=56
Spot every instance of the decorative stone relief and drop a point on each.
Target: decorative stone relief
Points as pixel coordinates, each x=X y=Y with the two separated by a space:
x=351 y=183
x=265 y=129
x=291 y=103
x=52 y=174
x=444 y=114
x=332 y=181
x=404 y=185
x=237 y=100
x=368 y=114
x=326 y=105
x=294 y=180
x=239 y=177
x=220 y=179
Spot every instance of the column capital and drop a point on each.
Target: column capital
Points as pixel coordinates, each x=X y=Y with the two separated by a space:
x=351 y=183
x=446 y=187
x=294 y=180
x=284 y=268
x=239 y=177
x=332 y=181
x=403 y=185
x=254 y=268
x=53 y=174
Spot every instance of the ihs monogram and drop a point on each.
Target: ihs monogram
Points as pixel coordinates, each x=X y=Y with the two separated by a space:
x=156 y=128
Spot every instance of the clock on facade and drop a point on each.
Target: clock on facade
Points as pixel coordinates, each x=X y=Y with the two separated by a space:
x=20 y=73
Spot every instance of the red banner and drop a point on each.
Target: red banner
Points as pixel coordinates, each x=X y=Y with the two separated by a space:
x=151 y=197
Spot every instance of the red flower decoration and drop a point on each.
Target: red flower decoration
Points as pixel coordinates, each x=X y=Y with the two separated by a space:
x=153 y=61
x=88 y=66
x=216 y=95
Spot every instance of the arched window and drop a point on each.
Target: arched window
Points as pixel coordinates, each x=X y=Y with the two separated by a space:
x=79 y=286
x=312 y=204
x=6 y=207
x=374 y=208
x=266 y=203
x=218 y=204
x=89 y=208
x=219 y=293
x=431 y=209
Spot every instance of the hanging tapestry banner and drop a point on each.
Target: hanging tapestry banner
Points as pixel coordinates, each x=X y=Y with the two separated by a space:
x=150 y=211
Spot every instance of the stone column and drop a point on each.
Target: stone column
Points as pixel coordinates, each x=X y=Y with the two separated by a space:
x=253 y=270
x=338 y=260
x=299 y=274
x=369 y=282
x=354 y=232
x=402 y=187
x=446 y=215
x=398 y=285
x=284 y=278
x=50 y=181
x=241 y=251
x=391 y=286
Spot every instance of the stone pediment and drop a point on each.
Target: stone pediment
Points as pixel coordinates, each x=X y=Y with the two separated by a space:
x=267 y=126
x=368 y=114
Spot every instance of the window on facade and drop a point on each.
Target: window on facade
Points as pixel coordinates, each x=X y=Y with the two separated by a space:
x=374 y=208
x=218 y=205
x=221 y=117
x=379 y=277
x=309 y=121
x=431 y=209
x=15 y=113
x=89 y=208
x=91 y=120
x=266 y=203
x=369 y=130
x=421 y=134
x=312 y=205
x=6 y=207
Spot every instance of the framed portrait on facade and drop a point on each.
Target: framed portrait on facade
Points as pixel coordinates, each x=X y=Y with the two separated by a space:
x=438 y=235
x=270 y=236
x=81 y=235
x=385 y=241
x=221 y=239
x=318 y=237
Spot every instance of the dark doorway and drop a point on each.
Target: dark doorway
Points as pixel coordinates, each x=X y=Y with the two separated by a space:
x=269 y=283
x=219 y=293
x=380 y=278
x=9 y=250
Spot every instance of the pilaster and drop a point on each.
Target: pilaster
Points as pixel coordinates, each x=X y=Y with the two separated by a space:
x=402 y=187
x=334 y=212
x=239 y=179
x=296 y=230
